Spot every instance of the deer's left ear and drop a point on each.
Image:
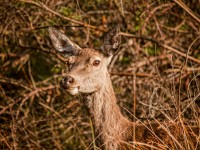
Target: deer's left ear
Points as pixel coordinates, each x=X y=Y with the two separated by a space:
x=112 y=41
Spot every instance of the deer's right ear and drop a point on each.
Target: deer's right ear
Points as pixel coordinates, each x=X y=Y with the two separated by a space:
x=62 y=43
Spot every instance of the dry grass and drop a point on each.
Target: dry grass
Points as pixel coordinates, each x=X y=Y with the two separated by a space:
x=155 y=74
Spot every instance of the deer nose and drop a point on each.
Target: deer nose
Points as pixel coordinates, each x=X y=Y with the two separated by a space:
x=67 y=81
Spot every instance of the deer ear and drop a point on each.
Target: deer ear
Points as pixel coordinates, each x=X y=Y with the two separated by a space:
x=112 y=41
x=62 y=43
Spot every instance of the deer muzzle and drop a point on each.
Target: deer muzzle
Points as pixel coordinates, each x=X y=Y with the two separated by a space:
x=68 y=84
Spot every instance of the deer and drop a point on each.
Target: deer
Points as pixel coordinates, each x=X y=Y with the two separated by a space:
x=88 y=76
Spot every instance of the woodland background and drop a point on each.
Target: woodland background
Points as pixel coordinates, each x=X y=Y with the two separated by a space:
x=156 y=73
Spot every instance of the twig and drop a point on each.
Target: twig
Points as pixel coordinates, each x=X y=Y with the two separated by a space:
x=27 y=96
x=14 y=82
x=41 y=5
x=4 y=139
x=187 y=9
x=134 y=103
x=181 y=71
x=160 y=43
x=185 y=69
x=32 y=93
x=192 y=101
x=131 y=74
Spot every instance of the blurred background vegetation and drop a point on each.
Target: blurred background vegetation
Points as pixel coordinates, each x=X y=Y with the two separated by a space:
x=155 y=74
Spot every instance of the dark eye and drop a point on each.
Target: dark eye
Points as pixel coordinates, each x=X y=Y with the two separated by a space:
x=96 y=63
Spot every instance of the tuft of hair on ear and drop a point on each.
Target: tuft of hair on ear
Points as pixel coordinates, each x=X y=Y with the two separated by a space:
x=62 y=43
x=112 y=41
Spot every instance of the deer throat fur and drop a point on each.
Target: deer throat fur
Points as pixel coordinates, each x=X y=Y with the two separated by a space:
x=109 y=123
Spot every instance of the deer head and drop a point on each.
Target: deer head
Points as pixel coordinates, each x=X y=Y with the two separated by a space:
x=87 y=67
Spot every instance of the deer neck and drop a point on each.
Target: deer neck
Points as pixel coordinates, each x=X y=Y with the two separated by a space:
x=106 y=114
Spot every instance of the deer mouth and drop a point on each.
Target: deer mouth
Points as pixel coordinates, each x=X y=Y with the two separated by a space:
x=73 y=90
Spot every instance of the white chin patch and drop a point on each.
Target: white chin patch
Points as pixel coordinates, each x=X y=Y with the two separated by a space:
x=73 y=91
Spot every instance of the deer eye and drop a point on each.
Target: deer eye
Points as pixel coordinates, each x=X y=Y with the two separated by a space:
x=96 y=62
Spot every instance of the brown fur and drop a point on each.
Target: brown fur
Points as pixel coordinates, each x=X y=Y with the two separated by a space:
x=93 y=82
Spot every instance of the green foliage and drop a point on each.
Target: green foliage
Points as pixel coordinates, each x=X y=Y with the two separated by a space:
x=67 y=11
x=56 y=70
x=152 y=51
x=126 y=60
x=184 y=27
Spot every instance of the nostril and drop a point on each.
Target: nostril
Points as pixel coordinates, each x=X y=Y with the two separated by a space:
x=70 y=80
x=66 y=82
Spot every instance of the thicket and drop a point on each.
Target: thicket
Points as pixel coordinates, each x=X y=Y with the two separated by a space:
x=156 y=73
